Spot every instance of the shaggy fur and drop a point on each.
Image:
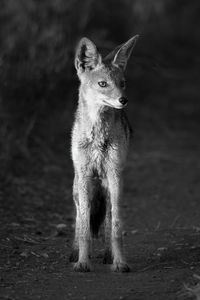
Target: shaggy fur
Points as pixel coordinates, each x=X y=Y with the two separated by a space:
x=100 y=139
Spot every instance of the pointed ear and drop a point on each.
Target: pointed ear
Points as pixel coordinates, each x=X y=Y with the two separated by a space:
x=111 y=55
x=87 y=56
x=123 y=52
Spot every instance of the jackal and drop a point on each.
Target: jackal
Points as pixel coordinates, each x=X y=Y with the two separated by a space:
x=100 y=139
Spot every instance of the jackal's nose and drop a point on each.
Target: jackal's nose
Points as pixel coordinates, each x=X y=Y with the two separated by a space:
x=123 y=100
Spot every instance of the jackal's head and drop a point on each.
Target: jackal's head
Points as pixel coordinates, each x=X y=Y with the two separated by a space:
x=102 y=80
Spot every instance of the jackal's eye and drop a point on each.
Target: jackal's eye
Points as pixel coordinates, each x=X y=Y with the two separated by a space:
x=123 y=84
x=102 y=84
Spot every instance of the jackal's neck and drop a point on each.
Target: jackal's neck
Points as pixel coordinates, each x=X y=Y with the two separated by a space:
x=94 y=115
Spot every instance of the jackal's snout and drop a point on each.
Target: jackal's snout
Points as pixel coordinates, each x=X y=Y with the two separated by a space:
x=123 y=100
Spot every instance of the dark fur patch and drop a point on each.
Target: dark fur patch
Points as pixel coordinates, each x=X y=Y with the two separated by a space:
x=126 y=125
x=98 y=210
x=107 y=258
x=74 y=256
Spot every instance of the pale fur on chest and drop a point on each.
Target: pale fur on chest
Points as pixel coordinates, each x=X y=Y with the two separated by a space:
x=101 y=143
x=98 y=140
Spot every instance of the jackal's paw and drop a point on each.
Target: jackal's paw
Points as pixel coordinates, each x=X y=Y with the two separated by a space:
x=74 y=256
x=120 y=267
x=107 y=258
x=82 y=267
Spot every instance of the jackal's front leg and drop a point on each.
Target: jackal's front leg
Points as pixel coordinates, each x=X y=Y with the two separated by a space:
x=115 y=188
x=83 y=263
x=75 y=250
x=107 y=259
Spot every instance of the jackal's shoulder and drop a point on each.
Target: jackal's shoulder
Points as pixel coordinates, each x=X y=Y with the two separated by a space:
x=126 y=124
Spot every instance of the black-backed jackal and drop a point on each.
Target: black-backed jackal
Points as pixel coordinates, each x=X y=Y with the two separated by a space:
x=100 y=139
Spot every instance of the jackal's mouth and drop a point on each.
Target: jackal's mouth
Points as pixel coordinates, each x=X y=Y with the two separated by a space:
x=120 y=106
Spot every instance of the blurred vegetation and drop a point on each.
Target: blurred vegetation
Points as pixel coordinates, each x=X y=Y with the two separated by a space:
x=37 y=78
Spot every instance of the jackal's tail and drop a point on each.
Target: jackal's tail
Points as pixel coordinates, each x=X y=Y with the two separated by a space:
x=98 y=209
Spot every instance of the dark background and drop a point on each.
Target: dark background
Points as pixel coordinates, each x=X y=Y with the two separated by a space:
x=38 y=84
x=38 y=98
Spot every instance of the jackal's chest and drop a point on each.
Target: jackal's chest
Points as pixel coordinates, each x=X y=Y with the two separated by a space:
x=98 y=156
x=99 y=147
x=95 y=148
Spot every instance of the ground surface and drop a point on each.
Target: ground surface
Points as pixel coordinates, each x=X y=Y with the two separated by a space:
x=160 y=210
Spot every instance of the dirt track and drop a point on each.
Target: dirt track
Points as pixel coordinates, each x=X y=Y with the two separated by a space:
x=160 y=210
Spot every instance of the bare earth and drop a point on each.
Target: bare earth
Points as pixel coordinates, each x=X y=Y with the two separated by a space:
x=160 y=210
